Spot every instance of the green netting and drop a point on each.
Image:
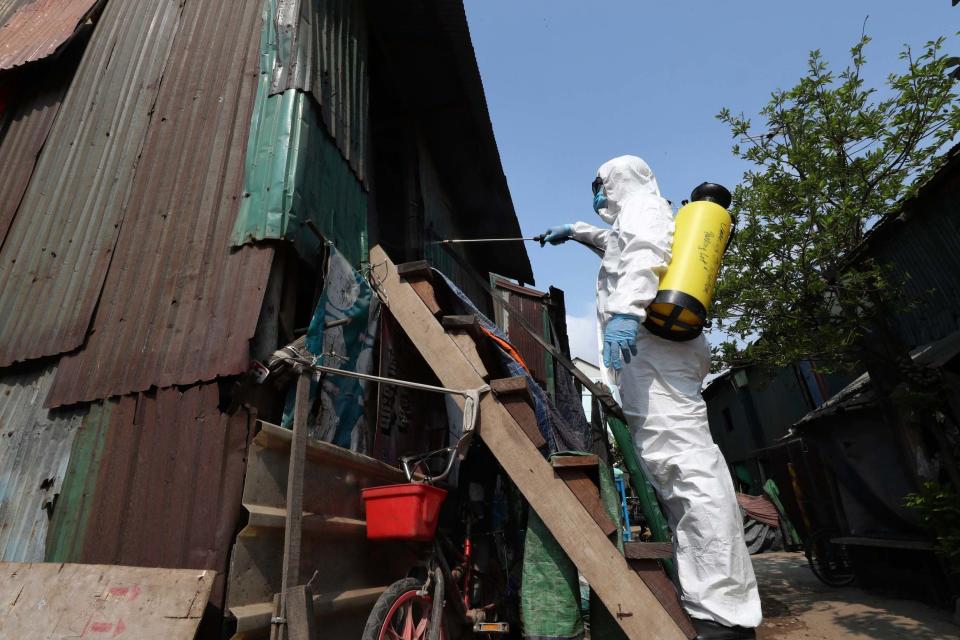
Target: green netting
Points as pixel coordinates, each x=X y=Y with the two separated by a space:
x=550 y=593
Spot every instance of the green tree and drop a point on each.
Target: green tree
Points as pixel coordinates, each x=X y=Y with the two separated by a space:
x=831 y=156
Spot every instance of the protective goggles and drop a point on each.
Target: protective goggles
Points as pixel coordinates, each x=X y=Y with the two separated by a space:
x=597 y=184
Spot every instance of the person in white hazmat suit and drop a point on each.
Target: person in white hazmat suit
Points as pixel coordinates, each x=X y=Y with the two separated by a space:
x=659 y=382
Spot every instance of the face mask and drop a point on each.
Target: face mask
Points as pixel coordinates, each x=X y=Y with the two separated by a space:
x=600 y=200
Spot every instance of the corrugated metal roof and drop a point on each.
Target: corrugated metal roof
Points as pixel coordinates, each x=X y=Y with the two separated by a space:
x=31 y=115
x=10 y=7
x=323 y=50
x=178 y=304
x=60 y=244
x=34 y=449
x=39 y=28
x=168 y=484
x=430 y=60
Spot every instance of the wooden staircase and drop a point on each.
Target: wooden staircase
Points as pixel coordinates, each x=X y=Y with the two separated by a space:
x=564 y=494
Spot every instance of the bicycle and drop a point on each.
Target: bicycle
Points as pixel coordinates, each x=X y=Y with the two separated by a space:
x=443 y=602
x=829 y=561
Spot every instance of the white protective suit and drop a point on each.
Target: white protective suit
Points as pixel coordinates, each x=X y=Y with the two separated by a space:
x=660 y=392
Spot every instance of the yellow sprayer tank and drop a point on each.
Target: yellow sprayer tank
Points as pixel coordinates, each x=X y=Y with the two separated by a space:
x=702 y=231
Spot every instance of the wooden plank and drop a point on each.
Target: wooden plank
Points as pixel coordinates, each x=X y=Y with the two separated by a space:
x=88 y=601
x=647 y=550
x=625 y=595
x=312 y=524
x=416 y=269
x=654 y=577
x=588 y=493
x=275 y=437
x=517 y=385
x=293 y=529
x=467 y=323
x=256 y=617
x=523 y=415
x=301 y=619
x=575 y=462
x=468 y=347
x=514 y=394
x=425 y=290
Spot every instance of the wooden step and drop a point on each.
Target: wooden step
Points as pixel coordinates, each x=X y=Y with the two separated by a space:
x=632 y=604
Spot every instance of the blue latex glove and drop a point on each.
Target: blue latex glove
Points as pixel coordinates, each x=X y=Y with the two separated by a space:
x=558 y=235
x=620 y=337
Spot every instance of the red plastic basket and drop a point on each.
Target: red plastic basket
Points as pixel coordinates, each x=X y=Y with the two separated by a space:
x=402 y=511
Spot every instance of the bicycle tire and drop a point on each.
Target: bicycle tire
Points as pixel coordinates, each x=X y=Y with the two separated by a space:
x=384 y=607
x=829 y=562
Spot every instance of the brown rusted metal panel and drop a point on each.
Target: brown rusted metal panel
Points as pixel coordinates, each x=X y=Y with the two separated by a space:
x=35 y=448
x=169 y=484
x=530 y=304
x=57 y=251
x=9 y=7
x=40 y=28
x=32 y=104
x=179 y=305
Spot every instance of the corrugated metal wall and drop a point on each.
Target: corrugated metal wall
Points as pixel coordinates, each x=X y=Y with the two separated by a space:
x=925 y=250
x=60 y=251
x=295 y=172
x=34 y=449
x=323 y=50
x=40 y=28
x=179 y=305
x=30 y=119
x=530 y=303
x=156 y=482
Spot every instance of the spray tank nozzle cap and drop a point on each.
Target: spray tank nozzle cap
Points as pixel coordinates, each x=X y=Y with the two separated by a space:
x=712 y=192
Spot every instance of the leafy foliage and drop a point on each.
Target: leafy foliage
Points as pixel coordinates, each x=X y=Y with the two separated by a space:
x=833 y=156
x=939 y=510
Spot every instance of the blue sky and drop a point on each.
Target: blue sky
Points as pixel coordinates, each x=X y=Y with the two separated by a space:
x=571 y=84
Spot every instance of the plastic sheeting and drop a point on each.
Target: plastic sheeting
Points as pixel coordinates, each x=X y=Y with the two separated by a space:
x=341 y=335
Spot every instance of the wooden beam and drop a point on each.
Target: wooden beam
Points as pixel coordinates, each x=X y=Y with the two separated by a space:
x=654 y=577
x=625 y=595
x=586 y=463
x=293 y=529
x=301 y=620
x=588 y=493
x=515 y=397
x=647 y=550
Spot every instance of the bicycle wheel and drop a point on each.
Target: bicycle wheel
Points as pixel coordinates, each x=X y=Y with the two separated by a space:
x=401 y=613
x=830 y=562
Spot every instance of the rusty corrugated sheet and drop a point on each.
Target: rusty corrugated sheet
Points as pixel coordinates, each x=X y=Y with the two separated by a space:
x=35 y=448
x=179 y=305
x=60 y=244
x=34 y=104
x=530 y=304
x=10 y=7
x=169 y=483
x=323 y=50
x=39 y=28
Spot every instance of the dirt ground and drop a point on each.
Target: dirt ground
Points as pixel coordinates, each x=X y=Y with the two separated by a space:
x=797 y=606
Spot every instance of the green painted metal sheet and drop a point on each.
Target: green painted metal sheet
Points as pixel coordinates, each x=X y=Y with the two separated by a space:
x=295 y=173
x=66 y=535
